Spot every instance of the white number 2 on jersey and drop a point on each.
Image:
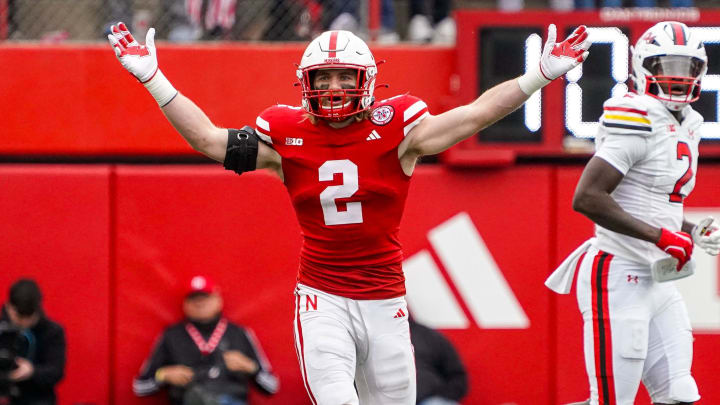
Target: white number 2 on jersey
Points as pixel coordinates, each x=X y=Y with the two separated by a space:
x=349 y=171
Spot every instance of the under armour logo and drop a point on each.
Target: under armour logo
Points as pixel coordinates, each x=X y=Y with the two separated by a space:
x=671 y=127
x=632 y=279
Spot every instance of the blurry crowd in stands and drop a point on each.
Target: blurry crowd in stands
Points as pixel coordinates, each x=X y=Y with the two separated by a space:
x=418 y=21
x=293 y=20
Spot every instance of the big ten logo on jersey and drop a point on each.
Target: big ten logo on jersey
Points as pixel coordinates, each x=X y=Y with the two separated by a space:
x=701 y=291
x=294 y=141
x=462 y=252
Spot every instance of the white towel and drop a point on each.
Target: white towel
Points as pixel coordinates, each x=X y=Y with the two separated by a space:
x=561 y=279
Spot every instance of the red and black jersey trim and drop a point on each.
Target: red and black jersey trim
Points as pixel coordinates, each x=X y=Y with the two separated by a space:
x=300 y=348
x=625 y=109
x=602 y=335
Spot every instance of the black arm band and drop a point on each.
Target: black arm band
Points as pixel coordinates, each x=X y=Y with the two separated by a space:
x=242 y=150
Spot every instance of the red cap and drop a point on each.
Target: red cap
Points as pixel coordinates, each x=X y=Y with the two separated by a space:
x=200 y=284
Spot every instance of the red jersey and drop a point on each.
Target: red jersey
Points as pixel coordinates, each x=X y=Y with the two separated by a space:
x=348 y=190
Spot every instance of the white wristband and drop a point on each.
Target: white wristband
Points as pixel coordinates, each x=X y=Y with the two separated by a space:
x=161 y=89
x=532 y=81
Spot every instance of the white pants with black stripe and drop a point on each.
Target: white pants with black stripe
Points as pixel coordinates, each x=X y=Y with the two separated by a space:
x=634 y=330
x=343 y=343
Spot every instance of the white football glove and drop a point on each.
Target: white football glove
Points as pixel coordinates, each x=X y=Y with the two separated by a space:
x=707 y=236
x=141 y=62
x=556 y=59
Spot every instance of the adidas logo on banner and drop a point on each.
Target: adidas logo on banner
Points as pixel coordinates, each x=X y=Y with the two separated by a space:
x=479 y=282
x=399 y=314
x=373 y=135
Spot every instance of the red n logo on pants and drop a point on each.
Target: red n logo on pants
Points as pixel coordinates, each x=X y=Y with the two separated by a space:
x=310 y=302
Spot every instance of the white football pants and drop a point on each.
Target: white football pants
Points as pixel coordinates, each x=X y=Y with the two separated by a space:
x=634 y=329
x=343 y=343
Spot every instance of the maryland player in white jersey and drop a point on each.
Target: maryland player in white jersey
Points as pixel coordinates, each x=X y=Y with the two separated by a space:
x=636 y=328
x=346 y=161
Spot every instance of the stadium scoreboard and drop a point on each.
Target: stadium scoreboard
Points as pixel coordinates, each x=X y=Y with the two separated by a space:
x=496 y=46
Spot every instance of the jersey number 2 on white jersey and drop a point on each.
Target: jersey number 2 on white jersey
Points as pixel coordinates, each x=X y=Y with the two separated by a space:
x=349 y=171
x=683 y=151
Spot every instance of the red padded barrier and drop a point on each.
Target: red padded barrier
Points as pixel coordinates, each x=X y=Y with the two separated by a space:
x=78 y=100
x=174 y=222
x=505 y=365
x=157 y=225
x=54 y=227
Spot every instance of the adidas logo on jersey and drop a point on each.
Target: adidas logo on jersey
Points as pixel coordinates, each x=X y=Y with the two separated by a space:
x=400 y=314
x=373 y=135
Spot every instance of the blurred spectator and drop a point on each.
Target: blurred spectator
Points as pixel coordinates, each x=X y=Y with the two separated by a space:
x=293 y=20
x=205 y=359
x=117 y=11
x=192 y=20
x=37 y=345
x=10 y=25
x=440 y=29
x=343 y=15
x=441 y=376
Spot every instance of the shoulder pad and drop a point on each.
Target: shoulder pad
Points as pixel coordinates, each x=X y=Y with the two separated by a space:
x=406 y=109
x=694 y=118
x=627 y=114
x=272 y=117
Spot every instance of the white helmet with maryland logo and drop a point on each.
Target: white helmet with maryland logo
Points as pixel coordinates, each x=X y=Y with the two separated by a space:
x=668 y=63
x=337 y=50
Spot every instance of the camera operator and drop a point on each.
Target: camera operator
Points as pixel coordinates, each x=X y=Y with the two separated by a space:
x=205 y=359
x=39 y=347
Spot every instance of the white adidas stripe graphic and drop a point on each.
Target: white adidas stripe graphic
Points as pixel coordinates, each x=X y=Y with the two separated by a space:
x=373 y=135
x=477 y=278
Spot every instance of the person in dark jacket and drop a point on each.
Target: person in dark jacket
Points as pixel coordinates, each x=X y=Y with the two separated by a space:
x=441 y=376
x=39 y=346
x=205 y=359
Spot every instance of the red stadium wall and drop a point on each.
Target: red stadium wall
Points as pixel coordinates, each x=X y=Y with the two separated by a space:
x=111 y=245
x=55 y=226
x=78 y=100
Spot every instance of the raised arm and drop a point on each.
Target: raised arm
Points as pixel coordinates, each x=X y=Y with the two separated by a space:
x=187 y=118
x=437 y=133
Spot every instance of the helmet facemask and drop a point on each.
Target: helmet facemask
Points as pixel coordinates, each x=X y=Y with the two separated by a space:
x=335 y=104
x=673 y=78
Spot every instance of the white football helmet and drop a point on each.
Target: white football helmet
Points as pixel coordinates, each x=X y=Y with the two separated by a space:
x=337 y=50
x=668 y=63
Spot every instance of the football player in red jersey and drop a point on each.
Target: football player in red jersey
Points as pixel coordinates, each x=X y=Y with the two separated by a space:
x=346 y=160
